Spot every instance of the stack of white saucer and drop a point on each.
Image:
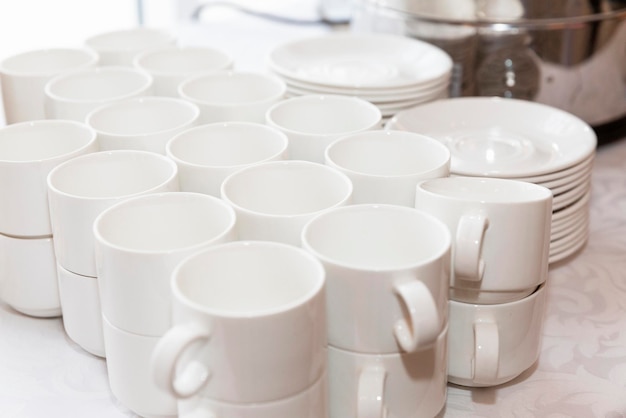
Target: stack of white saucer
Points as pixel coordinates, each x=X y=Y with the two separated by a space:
x=392 y=72
x=522 y=140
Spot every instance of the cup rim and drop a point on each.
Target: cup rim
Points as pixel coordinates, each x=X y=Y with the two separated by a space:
x=138 y=61
x=94 y=41
x=92 y=59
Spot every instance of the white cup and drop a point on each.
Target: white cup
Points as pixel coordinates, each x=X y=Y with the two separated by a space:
x=501 y=230
x=171 y=65
x=310 y=403
x=28 y=152
x=492 y=344
x=138 y=243
x=142 y=123
x=233 y=95
x=73 y=95
x=385 y=166
x=81 y=188
x=249 y=324
x=120 y=47
x=24 y=76
x=312 y=122
x=129 y=374
x=274 y=200
x=28 y=277
x=387 y=272
x=82 y=316
x=407 y=385
x=207 y=154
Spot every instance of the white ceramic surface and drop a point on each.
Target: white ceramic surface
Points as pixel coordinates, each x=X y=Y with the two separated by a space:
x=249 y=324
x=140 y=240
x=407 y=385
x=121 y=46
x=274 y=200
x=501 y=230
x=388 y=271
x=75 y=94
x=171 y=65
x=490 y=136
x=207 y=154
x=28 y=276
x=224 y=96
x=82 y=316
x=312 y=122
x=492 y=344
x=24 y=76
x=28 y=152
x=143 y=123
x=385 y=166
x=129 y=374
x=81 y=188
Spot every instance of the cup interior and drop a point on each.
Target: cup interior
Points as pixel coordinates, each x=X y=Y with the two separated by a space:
x=98 y=84
x=165 y=222
x=388 y=153
x=227 y=144
x=324 y=115
x=231 y=88
x=43 y=140
x=376 y=237
x=111 y=174
x=143 y=115
x=492 y=190
x=246 y=278
x=286 y=188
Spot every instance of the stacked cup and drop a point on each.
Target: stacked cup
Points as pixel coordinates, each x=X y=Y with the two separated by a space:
x=78 y=191
x=249 y=333
x=28 y=152
x=387 y=272
x=138 y=242
x=500 y=250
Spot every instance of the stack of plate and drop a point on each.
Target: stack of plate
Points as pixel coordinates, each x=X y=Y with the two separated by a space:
x=393 y=72
x=522 y=140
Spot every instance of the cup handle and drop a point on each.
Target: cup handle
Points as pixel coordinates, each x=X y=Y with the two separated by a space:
x=422 y=327
x=371 y=391
x=486 y=352
x=468 y=262
x=166 y=356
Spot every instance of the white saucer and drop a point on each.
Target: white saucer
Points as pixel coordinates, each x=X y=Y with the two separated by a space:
x=587 y=163
x=490 y=136
x=567 y=246
x=573 y=208
x=564 y=199
x=361 y=61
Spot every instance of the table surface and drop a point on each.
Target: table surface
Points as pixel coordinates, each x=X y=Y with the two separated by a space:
x=581 y=371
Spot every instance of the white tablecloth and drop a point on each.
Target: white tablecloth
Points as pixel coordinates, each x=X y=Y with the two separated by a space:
x=581 y=371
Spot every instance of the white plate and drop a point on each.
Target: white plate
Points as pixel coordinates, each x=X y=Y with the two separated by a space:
x=491 y=136
x=572 y=208
x=372 y=60
x=570 y=184
x=570 y=228
x=587 y=163
x=561 y=224
x=568 y=243
x=574 y=178
x=566 y=251
x=565 y=199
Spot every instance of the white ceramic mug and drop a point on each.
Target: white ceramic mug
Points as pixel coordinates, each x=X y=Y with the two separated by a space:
x=140 y=240
x=171 y=65
x=28 y=152
x=274 y=200
x=312 y=122
x=224 y=96
x=142 y=123
x=385 y=166
x=310 y=403
x=492 y=344
x=249 y=324
x=207 y=154
x=28 y=277
x=407 y=385
x=120 y=47
x=129 y=375
x=24 y=76
x=73 y=95
x=81 y=188
x=387 y=272
x=501 y=230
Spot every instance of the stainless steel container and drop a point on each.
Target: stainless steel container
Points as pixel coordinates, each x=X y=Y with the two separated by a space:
x=569 y=54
